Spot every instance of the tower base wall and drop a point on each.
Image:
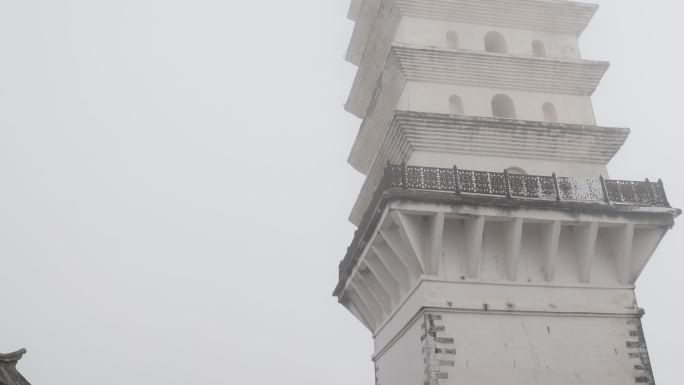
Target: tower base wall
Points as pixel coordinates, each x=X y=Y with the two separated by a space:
x=446 y=346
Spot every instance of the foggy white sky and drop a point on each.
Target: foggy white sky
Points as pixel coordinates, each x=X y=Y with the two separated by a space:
x=174 y=191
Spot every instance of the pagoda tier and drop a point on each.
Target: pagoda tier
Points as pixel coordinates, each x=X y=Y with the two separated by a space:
x=377 y=19
x=423 y=80
x=492 y=144
x=471 y=68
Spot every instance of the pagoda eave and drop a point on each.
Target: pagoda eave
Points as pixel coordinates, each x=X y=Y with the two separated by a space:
x=494 y=136
x=415 y=202
x=475 y=69
x=8 y=369
x=12 y=357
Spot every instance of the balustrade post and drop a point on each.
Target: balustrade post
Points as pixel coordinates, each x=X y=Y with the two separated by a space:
x=457 y=185
x=650 y=191
x=387 y=177
x=662 y=191
x=606 y=197
x=555 y=187
x=404 y=176
x=634 y=191
x=507 y=184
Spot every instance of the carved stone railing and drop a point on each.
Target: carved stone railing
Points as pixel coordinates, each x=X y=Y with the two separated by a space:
x=505 y=185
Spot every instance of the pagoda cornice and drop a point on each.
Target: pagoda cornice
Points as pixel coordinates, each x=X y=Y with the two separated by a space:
x=643 y=202
x=482 y=136
x=399 y=242
x=547 y=16
x=488 y=136
x=479 y=69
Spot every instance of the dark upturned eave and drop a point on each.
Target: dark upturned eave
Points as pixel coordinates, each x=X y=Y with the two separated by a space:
x=12 y=357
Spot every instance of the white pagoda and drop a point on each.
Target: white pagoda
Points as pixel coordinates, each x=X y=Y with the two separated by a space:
x=492 y=248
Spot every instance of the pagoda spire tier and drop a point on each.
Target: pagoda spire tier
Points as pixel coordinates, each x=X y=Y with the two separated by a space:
x=376 y=19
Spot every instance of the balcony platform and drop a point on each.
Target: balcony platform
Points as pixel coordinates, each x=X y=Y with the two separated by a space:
x=582 y=203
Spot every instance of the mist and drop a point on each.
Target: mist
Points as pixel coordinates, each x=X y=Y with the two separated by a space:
x=174 y=190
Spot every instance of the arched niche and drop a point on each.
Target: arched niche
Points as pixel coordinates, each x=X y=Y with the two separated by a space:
x=516 y=171
x=538 y=48
x=495 y=42
x=452 y=40
x=503 y=107
x=455 y=105
x=550 y=113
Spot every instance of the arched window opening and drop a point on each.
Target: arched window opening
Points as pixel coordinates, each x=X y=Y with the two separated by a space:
x=538 y=49
x=495 y=42
x=452 y=40
x=455 y=105
x=503 y=107
x=516 y=171
x=550 y=113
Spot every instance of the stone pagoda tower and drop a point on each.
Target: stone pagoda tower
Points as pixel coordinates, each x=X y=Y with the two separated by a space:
x=492 y=249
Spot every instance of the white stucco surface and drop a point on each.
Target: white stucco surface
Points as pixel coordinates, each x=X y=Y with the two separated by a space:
x=477 y=101
x=504 y=349
x=428 y=32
